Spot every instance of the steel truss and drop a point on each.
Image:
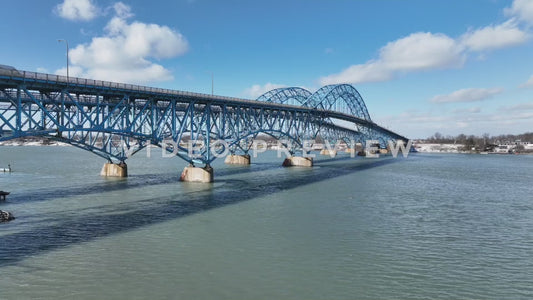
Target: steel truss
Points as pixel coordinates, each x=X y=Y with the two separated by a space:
x=115 y=120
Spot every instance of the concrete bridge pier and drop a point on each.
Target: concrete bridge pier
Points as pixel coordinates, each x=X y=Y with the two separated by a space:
x=326 y=152
x=234 y=159
x=356 y=149
x=298 y=161
x=115 y=170
x=197 y=174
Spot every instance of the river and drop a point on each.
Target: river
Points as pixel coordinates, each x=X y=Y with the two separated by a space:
x=430 y=226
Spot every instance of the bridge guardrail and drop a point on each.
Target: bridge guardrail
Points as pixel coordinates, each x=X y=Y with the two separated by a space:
x=51 y=78
x=15 y=74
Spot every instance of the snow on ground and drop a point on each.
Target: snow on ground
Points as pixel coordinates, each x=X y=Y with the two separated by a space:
x=35 y=143
x=441 y=148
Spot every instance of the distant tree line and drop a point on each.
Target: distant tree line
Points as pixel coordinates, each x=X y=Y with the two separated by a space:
x=479 y=142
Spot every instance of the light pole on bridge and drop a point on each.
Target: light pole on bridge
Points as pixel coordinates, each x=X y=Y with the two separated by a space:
x=61 y=120
x=212 y=81
x=66 y=42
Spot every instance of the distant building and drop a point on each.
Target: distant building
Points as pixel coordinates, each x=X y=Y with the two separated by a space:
x=504 y=148
x=509 y=147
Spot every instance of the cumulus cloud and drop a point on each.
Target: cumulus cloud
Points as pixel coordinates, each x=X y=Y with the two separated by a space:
x=77 y=10
x=429 y=51
x=373 y=71
x=467 y=95
x=74 y=71
x=126 y=50
x=257 y=90
x=122 y=10
x=493 y=37
x=416 y=52
x=522 y=10
x=421 y=51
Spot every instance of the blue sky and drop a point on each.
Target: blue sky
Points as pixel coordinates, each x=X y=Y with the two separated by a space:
x=422 y=66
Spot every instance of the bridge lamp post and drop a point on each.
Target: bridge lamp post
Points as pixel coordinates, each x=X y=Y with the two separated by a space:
x=212 y=81
x=66 y=42
x=62 y=97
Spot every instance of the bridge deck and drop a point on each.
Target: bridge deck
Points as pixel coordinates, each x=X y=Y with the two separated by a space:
x=114 y=119
x=49 y=82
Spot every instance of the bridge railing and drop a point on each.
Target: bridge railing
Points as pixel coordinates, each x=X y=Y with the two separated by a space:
x=13 y=73
x=26 y=76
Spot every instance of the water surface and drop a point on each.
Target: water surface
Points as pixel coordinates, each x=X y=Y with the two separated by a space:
x=426 y=227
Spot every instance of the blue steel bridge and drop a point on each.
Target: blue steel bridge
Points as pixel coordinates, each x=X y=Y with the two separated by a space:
x=115 y=120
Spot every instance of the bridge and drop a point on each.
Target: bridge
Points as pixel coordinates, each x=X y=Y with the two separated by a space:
x=115 y=120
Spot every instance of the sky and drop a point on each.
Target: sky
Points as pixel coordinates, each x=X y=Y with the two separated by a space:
x=447 y=66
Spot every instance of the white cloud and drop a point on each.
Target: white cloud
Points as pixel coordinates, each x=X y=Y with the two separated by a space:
x=494 y=37
x=74 y=71
x=409 y=123
x=428 y=51
x=124 y=53
x=467 y=95
x=257 y=90
x=122 y=10
x=77 y=10
x=471 y=110
x=373 y=71
x=416 y=52
x=521 y=9
x=528 y=83
x=421 y=51
x=518 y=107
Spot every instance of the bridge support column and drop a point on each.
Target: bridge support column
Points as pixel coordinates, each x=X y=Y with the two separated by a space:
x=331 y=153
x=115 y=170
x=234 y=159
x=196 y=174
x=298 y=161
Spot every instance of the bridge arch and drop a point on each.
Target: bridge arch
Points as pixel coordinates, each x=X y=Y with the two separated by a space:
x=289 y=95
x=35 y=104
x=339 y=97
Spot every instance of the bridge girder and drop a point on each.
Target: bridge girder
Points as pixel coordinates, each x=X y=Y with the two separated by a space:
x=114 y=120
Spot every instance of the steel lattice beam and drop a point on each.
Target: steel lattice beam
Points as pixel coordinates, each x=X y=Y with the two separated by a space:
x=115 y=120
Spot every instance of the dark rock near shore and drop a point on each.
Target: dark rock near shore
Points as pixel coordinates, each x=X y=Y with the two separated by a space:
x=6 y=216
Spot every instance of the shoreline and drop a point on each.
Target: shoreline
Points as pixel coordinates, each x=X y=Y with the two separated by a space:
x=429 y=148
x=33 y=144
